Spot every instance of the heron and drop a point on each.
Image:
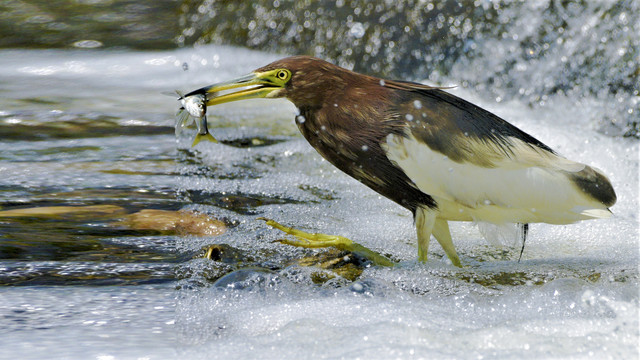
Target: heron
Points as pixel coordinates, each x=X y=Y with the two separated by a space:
x=439 y=156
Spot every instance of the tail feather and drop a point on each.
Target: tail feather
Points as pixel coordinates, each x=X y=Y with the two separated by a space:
x=596 y=213
x=595 y=185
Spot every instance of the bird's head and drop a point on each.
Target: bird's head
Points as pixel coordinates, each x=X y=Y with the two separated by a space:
x=304 y=80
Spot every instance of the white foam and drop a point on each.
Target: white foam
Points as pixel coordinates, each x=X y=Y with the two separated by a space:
x=574 y=295
x=567 y=298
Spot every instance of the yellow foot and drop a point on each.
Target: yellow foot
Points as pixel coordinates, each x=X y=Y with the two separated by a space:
x=315 y=240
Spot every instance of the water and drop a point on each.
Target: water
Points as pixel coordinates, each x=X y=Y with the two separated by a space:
x=91 y=129
x=116 y=293
x=88 y=323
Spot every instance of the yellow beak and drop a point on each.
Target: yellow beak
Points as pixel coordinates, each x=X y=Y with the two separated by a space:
x=255 y=85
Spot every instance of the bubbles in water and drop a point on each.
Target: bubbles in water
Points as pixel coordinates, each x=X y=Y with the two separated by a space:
x=87 y=44
x=357 y=30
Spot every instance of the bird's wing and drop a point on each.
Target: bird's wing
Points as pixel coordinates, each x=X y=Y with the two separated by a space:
x=458 y=152
x=467 y=133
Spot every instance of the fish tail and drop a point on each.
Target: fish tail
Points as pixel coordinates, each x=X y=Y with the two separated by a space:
x=206 y=136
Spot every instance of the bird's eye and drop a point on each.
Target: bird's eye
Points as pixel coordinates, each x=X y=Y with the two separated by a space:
x=282 y=75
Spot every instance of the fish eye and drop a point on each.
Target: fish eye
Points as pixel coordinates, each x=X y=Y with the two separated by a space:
x=282 y=75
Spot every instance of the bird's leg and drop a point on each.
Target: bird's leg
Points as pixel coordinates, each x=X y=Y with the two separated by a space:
x=424 y=220
x=426 y=224
x=315 y=240
x=443 y=235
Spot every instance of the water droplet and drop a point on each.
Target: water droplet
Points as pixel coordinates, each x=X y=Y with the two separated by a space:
x=409 y=117
x=365 y=148
x=335 y=105
x=300 y=119
x=381 y=82
x=588 y=298
x=323 y=128
x=417 y=104
x=87 y=44
x=357 y=30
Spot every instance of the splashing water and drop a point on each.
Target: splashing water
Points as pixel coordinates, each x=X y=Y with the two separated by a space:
x=110 y=140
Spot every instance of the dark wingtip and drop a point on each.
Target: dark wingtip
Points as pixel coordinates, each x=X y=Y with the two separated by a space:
x=595 y=184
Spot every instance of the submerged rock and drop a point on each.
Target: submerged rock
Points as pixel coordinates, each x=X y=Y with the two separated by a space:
x=178 y=222
x=248 y=279
x=64 y=211
x=224 y=253
x=336 y=263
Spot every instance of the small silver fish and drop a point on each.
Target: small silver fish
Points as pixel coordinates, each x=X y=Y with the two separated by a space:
x=194 y=106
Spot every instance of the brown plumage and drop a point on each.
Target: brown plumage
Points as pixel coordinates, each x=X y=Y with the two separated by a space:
x=439 y=156
x=345 y=116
